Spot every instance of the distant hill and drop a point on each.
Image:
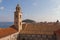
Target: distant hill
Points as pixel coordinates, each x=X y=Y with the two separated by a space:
x=28 y=21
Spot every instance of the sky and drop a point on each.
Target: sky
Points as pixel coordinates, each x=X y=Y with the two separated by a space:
x=38 y=10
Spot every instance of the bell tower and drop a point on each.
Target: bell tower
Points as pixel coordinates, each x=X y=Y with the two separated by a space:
x=18 y=18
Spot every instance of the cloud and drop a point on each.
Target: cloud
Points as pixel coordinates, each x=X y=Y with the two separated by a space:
x=57 y=2
x=56 y=9
x=2 y=8
x=0 y=1
x=34 y=4
x=54 y=13
x=6 y=19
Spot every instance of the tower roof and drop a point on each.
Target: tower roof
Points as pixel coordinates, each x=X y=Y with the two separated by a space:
x=18 y=7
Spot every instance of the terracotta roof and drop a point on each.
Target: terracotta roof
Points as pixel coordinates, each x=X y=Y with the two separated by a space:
x=7 y=31
x=2 y=28
x=31 y=29
x=40 y=29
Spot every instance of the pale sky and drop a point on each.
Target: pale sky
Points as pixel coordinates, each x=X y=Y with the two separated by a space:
x=38 y=10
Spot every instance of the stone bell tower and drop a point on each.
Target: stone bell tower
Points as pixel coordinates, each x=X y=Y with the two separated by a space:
x=18 y=18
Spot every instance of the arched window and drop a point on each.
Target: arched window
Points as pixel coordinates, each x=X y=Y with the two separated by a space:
x=20 y=16
x=20 y=23
x=16 y=15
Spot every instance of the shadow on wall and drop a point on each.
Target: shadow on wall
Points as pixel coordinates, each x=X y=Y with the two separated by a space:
x=52 y=37
x=18 y=38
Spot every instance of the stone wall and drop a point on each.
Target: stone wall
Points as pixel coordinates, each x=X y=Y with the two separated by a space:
x=10 y=37
x=37 y=37
x=58 y=37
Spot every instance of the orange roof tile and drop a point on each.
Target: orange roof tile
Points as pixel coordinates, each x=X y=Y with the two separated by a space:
x=7 y=31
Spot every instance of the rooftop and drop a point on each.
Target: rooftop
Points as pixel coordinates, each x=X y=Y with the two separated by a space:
x=31 y=28
x=7 y=31
x=40 y=28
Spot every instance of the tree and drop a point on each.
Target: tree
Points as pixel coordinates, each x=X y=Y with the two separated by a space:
x=57 y=21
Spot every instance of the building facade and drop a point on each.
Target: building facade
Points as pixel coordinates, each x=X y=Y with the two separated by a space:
x=37 y=37
x=10 y=37
x=18 y=18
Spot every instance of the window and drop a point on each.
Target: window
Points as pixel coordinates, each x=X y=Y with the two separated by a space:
x=15 y=15
x=49 y=36
x=38 y=35
x=43 y=36
x=33 y=35
x=20 y=16
x=20 y=23
x=29 y=35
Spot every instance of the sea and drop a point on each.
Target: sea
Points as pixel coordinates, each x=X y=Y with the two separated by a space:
x=5 y=24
